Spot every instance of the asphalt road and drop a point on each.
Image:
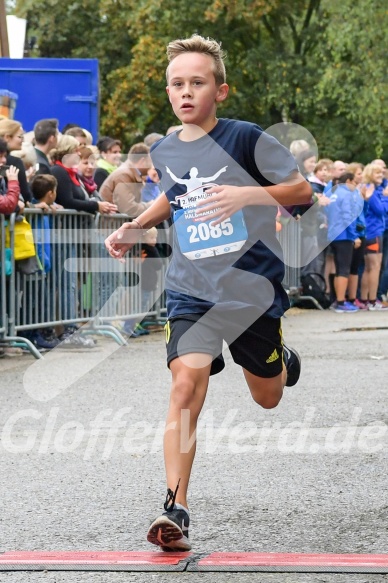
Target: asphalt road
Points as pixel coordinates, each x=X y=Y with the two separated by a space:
x=81 y=465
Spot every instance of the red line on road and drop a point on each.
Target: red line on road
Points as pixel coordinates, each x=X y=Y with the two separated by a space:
x=294 y=560
x=90 y=558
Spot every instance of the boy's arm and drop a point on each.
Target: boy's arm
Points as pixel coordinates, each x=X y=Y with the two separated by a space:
x=122 y=240
x=225 y=200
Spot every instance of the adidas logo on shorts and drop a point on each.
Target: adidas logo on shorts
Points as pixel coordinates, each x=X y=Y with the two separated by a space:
x=274 y=356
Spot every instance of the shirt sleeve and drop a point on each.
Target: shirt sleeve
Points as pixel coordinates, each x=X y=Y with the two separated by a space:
x=274 y=162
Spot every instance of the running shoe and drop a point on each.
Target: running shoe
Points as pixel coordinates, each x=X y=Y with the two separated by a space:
x=346 y=308
x=360 y=305
x=377 y=306
x=170 y=531
x=293 y=365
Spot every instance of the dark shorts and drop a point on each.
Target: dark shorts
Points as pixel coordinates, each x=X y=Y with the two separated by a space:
x=373 y=246
x=258 y=347
x=343 y=253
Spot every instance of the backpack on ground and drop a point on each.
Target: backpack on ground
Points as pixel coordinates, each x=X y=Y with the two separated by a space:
x=314 y=286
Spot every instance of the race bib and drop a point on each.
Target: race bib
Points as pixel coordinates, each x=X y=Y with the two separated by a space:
x=198 y=240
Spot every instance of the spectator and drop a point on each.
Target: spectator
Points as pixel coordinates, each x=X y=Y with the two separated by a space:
x=46 y=139
x=306 y=161
x=152 y=138
x=338 y=168
x=70 y=193
x=12 y=132
x=110 y=158
x=85 y=171
x=124 y=185
x=373 y=176
x=151 y=265
x=358 y=256
x=345 y=206
x=9 y=184
x=83 y=136
x=382 y=291
x=299 y=146
x=28 y=156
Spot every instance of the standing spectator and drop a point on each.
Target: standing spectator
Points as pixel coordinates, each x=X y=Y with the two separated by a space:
x=124 y=185
x=382 y=291
x=109 y=161
x=84 y=138
x=9 y=188
x=12 y=132
x=85 y=171
x=46 y=139
x=337 y=169
x=28 y=156
x=299 y=146
x=69 y=192
x=345 y=206
x=358 y=257
x=306 y=161
x=375 y=225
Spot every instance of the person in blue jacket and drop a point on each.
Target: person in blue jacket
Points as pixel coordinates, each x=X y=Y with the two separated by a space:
x=375 y=226
x=346 y=204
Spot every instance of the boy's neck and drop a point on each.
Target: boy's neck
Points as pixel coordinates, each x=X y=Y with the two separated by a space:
x=191 y=132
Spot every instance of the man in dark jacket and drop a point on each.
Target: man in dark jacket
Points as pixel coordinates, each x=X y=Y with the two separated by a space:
x=46 y=138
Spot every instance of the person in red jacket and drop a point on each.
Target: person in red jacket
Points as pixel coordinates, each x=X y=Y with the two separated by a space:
x=9 y=184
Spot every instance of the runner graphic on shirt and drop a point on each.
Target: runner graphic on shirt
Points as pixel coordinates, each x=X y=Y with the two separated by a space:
x=194 y=181
x=202 y=240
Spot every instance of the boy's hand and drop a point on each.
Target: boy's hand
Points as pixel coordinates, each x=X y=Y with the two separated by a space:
x=122 y=240
x=224 y=201
x=12 y=173
x=42 y=205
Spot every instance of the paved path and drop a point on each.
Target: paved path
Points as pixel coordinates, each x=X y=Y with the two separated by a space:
x=81 y=466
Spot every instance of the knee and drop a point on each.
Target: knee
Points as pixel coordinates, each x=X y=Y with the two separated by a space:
x=183 y=393
x=269 y=397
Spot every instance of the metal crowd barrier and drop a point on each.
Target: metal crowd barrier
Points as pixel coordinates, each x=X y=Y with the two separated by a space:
x=76 y=282
x=290 y=239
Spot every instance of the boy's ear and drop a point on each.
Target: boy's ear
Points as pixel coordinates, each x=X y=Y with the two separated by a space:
x=168 y=91
x=222 y=92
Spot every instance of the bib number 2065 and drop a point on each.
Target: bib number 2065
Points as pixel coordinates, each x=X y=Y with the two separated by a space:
x=205 y=231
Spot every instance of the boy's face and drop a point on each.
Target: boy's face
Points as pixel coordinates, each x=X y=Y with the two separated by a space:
x=193 y=91
x=3 y=158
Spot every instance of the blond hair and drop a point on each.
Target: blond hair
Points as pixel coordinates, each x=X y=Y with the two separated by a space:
x=66 y=145
x=9 y=127
x=369 y=170
x=137 y=151
x=354 y=166
x=27 y=155
x=205 y=46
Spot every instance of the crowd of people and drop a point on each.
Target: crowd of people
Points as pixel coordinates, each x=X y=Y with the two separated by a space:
x=344 y=228
x=50 y=170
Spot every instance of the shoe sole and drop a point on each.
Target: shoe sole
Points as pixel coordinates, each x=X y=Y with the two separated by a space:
x=164 y=533
x=291 y=384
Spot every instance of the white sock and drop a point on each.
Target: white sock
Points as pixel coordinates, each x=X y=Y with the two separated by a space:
x=181 y=507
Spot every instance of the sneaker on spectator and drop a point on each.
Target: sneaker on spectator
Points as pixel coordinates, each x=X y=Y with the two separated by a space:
x=71 y=338
x=346 y=307
x=39 y=340
x=377 y=306
x=360 y=305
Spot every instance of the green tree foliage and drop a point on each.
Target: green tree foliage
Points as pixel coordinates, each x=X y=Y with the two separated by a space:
x=317 y=63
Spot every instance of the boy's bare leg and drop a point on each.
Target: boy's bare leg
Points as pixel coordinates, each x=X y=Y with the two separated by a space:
x=188 y=393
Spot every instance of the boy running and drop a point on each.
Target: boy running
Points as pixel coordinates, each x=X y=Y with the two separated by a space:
x=222 y=181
